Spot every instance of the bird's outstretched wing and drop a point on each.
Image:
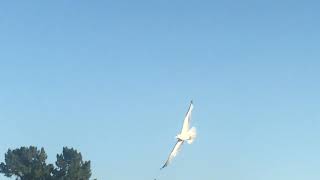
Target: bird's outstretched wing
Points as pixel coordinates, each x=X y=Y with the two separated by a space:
x=187 y=119
x=173 y=153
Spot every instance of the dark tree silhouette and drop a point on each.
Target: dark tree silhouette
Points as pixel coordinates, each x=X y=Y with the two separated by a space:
x=70 y=166
x=26 y=163
x=29 y=163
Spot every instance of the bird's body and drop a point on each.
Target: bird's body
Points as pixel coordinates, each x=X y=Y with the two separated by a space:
x=187 y=134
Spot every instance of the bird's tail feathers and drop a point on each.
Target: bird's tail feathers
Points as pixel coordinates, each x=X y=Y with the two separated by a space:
x=193 y=134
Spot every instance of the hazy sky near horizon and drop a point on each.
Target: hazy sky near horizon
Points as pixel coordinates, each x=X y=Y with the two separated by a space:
x=114 y=79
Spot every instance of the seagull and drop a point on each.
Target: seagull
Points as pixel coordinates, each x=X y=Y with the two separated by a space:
x=187 y=134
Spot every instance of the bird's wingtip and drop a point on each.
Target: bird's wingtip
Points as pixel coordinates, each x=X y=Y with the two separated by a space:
x=162 y=167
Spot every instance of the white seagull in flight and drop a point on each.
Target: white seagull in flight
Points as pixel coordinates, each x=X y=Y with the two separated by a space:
x=186 y=134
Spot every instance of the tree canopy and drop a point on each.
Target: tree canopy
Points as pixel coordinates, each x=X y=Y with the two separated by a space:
x=29 y=163
x=70 y=166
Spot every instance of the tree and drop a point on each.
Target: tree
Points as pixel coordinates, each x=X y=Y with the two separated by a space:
x=26 y=163
x=29 y=163
x=70 y=166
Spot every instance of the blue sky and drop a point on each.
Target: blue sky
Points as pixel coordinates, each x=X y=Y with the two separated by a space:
x=113 y=79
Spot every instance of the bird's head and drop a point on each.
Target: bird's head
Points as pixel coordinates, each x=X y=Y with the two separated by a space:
x=178 y=136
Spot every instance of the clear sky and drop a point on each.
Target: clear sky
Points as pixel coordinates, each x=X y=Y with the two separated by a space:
x=114 y=79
